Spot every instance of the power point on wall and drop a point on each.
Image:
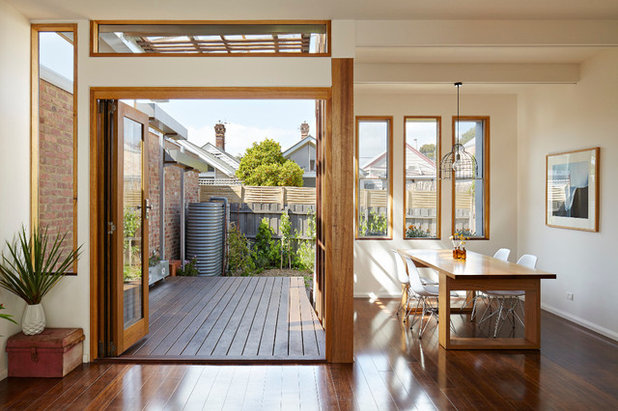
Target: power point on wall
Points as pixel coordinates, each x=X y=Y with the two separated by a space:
x=570 y=296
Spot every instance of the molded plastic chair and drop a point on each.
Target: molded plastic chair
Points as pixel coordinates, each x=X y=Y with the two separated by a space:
x=501 y=254
x=402 y=276
x=423 y=292
x=508 y=300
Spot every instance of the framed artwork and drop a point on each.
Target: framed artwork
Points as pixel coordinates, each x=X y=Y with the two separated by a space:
x=572 y=190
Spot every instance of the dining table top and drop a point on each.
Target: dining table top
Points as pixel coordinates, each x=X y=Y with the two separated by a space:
x=475 y=265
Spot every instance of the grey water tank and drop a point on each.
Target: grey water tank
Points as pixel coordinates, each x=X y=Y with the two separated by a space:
x=204 y=236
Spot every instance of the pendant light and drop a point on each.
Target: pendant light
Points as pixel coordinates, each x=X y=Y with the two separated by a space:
x=458 y=163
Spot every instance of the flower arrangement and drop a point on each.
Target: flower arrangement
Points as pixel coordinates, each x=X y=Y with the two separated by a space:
x=459 y=241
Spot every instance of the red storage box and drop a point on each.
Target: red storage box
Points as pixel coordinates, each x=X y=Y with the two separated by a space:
x=53 y=353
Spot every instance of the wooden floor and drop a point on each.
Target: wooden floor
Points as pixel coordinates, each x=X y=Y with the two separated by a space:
x=201 y=319
x=393 y=370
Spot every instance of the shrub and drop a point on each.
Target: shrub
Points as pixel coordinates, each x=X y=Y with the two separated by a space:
x=266 y=250
x=416 y=231
x=374 y=224
x=306 y=249
x=190 y=269
x=239 y=257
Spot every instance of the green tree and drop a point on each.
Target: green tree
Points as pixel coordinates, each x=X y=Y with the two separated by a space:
x=263 y=164
x=467 y=136
x=429 y=150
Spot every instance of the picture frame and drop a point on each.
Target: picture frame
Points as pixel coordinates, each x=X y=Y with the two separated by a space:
x=572 y=189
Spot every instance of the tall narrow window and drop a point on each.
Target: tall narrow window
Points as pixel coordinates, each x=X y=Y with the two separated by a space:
x=54 y=146
x=422 y=187
x=471 y=196
x=374 y=186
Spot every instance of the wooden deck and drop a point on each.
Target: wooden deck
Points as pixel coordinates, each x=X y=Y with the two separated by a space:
x=231 y=319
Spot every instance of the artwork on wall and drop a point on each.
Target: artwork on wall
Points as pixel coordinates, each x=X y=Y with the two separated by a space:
x=572 y=190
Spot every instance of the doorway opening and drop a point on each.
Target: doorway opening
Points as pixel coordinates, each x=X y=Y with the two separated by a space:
x=261 y=300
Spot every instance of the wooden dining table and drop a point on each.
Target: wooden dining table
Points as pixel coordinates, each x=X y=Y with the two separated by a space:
x=482 y=272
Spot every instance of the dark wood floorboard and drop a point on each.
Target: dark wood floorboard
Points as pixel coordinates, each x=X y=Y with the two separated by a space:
x=230 y=319
x=393 y=370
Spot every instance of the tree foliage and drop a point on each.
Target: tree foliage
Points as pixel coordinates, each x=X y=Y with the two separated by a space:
x=429 y=150
x=264 y=165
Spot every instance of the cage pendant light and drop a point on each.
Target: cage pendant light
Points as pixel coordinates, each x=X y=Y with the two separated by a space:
x=458 y=163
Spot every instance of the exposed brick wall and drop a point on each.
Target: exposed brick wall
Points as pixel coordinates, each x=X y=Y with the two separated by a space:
x=154 y=191
x=172 y=206
x=56 y=161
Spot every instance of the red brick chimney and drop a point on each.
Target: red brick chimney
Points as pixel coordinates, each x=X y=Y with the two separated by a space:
x=304 y=130
x=220 y=136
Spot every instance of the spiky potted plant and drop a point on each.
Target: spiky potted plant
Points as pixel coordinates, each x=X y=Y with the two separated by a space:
x=32 y=266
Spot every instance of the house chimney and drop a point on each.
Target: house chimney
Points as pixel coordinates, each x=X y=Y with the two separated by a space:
x=304 y=130
x=220 y=136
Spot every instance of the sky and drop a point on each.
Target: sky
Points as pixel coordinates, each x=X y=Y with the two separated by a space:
x=56 y=53
x=246 y=121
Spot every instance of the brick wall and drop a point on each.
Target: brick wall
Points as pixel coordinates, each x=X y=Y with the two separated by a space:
x=154 y=191
x=56 y=161
x=172 y=206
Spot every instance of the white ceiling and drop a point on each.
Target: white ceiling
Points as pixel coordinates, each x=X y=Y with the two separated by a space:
x=482 y=55
x=317 y=9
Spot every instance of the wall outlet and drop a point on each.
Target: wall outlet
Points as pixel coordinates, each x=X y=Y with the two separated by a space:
x=570 y=296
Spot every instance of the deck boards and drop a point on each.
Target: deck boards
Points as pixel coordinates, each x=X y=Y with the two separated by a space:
x=231 y=318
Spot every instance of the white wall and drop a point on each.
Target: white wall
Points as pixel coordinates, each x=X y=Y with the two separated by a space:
x=374 y=269
x=556 y=119
x=14 y=146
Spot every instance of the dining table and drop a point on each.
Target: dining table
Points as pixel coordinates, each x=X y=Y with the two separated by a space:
x=479 y=272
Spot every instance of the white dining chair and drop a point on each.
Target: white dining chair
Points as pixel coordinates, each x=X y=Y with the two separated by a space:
x=402 y=276
x=508 y=300
x=503 y=255
x=424 y=294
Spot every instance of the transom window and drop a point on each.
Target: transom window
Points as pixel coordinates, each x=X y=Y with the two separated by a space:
x=211 y=38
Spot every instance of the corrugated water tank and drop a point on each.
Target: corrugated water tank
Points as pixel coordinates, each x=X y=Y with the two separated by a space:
x=205 y=236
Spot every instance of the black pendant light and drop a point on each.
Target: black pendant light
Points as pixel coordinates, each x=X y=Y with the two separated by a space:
x=458 y=163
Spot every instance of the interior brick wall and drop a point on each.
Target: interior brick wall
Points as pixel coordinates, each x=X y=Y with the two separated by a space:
x=56 y=161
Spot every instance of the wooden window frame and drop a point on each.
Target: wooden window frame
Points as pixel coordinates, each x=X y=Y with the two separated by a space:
x=94 y=38
x=438 y=181
x=389 y=212
x=485 y=176
x=35 y=29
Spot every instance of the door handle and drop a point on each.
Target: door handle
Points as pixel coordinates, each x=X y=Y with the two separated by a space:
x=148 y=207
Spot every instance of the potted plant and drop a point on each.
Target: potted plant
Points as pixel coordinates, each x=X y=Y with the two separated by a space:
x=31 y=268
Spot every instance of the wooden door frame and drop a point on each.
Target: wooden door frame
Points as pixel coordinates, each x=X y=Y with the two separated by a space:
x=338 y=148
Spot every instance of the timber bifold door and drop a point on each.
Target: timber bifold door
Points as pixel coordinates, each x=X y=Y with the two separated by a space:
x=123 y=284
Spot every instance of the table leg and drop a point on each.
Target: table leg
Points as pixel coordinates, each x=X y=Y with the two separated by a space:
x=532 y=314
x=444 y=311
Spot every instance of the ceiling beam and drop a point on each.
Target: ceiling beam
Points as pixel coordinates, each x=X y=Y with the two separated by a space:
x=467 y=73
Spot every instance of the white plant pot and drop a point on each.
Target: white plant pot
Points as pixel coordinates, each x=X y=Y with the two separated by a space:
x=33 y=320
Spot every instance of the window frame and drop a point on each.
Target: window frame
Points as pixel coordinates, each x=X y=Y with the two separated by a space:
x=389 y=211
x=35 y=30
x=485 y=176
x=94 y=38
x=438 y=181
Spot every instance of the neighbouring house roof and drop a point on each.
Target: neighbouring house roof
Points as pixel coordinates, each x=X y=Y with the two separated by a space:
x=216 y=162
x=417 y=163
x=301 y=143
x=55 y=78
x=222 y=155
x=161 y=120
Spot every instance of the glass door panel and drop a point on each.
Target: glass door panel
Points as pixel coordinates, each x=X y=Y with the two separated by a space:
x=133 y=269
